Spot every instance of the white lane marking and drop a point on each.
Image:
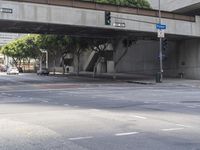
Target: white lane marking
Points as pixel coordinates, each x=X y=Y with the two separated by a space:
x=139 y=117
x=7 y=94
x=191 y=106
x=172 y=129
x=182 y=125
x=80 y=138
x=95 y=110
x=44 y=101
x=127 y=133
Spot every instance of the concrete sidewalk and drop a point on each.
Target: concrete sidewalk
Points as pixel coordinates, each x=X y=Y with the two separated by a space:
x=131 y=78
x=142 y=79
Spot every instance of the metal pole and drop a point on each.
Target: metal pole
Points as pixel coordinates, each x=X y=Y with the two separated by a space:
x=40 y=63
x=160 y=47
x=47 y=61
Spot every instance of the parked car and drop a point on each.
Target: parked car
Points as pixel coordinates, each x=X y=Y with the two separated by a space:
x=2 y=68
x=12 y=70
x=43 y=71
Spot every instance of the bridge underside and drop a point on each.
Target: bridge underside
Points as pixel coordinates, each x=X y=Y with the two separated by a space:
x=190 y=9
x=44 y=28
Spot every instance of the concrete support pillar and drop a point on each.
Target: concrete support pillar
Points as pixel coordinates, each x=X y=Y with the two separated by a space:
x=189 y=59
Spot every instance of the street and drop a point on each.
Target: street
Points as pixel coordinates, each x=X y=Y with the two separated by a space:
x=79 y=113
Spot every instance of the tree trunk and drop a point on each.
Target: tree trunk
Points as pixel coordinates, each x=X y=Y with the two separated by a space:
x=23 y=65
x=122 y=56
x=63 y=65
x=78 y=64
x=20 y=62
x=29 y=65
x=115 y=44
x=54 y=66
x=15 y=62
x=35 y=70
x=95 y=65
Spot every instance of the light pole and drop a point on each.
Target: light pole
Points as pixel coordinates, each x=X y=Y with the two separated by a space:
x=160 y=45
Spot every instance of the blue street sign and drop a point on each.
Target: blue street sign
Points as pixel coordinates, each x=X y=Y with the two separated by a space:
x=161 y=26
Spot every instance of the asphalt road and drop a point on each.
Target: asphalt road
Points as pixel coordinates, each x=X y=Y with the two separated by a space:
x=61 y=113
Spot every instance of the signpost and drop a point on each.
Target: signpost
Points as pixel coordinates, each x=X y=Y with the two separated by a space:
x=6 y=10
x=161 y=30
x=119 y=24
x=161 y=33
x=161 y=26
x=159 y=76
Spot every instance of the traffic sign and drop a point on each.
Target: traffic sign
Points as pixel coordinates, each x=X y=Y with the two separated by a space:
x=161 y=26
x=119 y=24
x=161 y=33
x=6 y=10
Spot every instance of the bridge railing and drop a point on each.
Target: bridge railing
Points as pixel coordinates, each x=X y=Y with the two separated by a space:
x=92 y=4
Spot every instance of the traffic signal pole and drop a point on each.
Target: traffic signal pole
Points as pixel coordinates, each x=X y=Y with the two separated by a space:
x=160 y=47
x=159 y=76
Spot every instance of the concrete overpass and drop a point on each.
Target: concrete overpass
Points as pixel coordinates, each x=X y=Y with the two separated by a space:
x=179 y=6
x=183 y=6
x=86 y=18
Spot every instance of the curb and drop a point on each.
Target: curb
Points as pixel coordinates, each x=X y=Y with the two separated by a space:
x=140 y=82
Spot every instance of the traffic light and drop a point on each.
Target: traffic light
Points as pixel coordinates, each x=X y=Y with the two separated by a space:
x=164 y=44
x=107 y=18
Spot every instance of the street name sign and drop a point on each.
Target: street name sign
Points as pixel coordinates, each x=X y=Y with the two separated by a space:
x=6 y=10
x=119 y=24
x=161 y=26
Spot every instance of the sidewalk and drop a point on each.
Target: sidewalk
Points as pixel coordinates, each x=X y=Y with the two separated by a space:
x=142 y=79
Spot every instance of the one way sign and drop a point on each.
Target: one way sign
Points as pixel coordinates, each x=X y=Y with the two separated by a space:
x=161 y=33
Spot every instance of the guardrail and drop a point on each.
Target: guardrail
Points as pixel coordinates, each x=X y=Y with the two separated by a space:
x=110 y=7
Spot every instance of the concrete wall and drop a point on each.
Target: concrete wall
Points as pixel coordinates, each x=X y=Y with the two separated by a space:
x=189 y=58
x=83 y=59
x=142 y=58
x=37 y=13
x=176 y=5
